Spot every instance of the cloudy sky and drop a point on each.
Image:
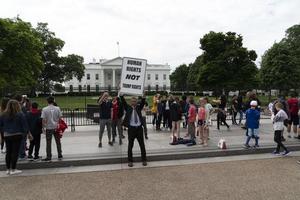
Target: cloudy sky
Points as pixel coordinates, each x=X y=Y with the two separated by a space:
x=161 y=31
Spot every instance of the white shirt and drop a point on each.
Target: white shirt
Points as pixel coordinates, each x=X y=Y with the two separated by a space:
x=167 y=105
x=132 y=120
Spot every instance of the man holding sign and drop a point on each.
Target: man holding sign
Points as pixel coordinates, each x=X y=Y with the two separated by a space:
x=132 y=82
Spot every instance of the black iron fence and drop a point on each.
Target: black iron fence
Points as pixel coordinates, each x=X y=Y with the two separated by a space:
x=90 y=116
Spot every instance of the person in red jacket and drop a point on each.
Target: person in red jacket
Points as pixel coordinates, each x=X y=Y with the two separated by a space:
x=293 y=108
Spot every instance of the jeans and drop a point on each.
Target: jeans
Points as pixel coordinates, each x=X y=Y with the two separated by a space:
x=22 y=150
x=278 y=140
x=13 y=144
x=154 y=119
x=234 y=114
x=117 y=124
x=103 y=123
x=252 y=133
x=241 y=116
x=49 y=133
x=35 y=143
x=136 y=132
x=158 y=121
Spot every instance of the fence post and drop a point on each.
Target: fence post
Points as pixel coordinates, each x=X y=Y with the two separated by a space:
x=72 y=121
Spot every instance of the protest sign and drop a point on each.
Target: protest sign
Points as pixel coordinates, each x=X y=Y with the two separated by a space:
x=133 y=76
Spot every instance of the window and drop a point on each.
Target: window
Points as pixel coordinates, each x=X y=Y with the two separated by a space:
x=88 y=88
x=149 y=88
x=88 y=76
x=71 y=88
x=165 y=76
x=97 y=76
x=156 y=88
x=109 y=77
x=79 y=88
x=148 y=76
x=156 y=76
x=164 y=87
x=97 y=88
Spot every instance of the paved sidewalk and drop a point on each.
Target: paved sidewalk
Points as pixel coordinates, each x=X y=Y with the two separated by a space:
x=84 y=141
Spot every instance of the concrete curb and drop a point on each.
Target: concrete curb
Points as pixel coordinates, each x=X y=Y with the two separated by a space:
x=89 y=160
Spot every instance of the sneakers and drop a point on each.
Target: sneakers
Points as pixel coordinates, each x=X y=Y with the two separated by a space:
x=130 y=164
x=256 y=146
x=145 y=163
x=247 y=146
x=146 y=137
x=15 y=171
x=100 y=145
x=286 y=153
x=298 y=161
x=8 y=172
x=111 y=143
x=120 y=142
x=37 y=158
x=276 y=153
x=3 y=151
x=289 y=136
x=47 y=160
x=60 y=157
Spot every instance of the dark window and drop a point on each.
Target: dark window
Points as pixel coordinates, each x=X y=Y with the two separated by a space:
x=165 y=76
x=88 y=88
x=88 y=76
x=164 y=87
x=97 y=76
x=156 y=76
x=97 y=88
x=79 y=88
x=149 y=88
x=149 y=76
x=156 y=87
x=71 y=88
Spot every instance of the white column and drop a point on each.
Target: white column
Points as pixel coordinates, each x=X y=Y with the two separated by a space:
x=101 y=78
x=114 y=78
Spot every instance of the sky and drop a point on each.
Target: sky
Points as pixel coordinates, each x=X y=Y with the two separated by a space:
x=161 y=31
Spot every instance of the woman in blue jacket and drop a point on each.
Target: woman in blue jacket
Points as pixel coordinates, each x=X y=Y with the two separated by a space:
x=14 y=125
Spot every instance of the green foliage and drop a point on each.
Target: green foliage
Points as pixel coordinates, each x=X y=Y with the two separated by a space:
x=20 y=60
x=225 y=64
x=179 y=78
x=280 y=66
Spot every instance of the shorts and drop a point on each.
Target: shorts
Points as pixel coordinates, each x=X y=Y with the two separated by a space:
x=294 y=120
x=201 y=122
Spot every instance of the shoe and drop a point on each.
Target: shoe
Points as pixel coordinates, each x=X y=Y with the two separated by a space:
x=130 y=164
x=256 y=146
x=100 y=145
x=145 y=163
x=298 y=161
x=30 y=157
x=247 y=146
x=286 y=153
x=47 y=160
x=289 y=136
x=120 y=142
x=111 y=143
x=123 y=136
x=298 y=137
x=276 y=153
x=8 y=172
x=60 y=157
x=22 y=159
x=146 y=137
x=283 y=139
x=228 y=129
x=15 y=171
x=3 y=151
x=37 y=158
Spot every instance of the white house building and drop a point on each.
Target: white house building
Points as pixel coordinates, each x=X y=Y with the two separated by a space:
x=106 y=75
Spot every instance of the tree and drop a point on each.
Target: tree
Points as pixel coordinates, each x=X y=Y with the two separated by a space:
x=193 y=75
x=280 y=65
x=56 y=69
x=20 y=59
x=179 y=78
x=225 y=63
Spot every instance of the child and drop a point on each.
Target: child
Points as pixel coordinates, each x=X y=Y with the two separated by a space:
x=35 y=127
x=202 y=126
x=252 y=120
x=278 y=125
x=191 y=119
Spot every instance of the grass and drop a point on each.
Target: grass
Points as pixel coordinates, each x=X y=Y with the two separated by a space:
x=80 y=101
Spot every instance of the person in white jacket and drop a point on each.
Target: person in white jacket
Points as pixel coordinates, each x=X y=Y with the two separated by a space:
x=278 y=125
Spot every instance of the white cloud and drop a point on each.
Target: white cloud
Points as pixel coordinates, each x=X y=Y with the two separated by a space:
x=160 y=31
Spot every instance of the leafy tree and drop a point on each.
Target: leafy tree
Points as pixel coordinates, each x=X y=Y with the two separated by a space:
x=179 y=78
x=193 y=75
x=225 y=63
x=20 y=59
x=57 y=68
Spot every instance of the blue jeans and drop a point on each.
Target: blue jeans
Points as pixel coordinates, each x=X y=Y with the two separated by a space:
x=252 y=133
x=241 y=116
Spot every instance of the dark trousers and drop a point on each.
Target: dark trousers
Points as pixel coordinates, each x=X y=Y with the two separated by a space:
x=154 y=119
x=221 y=118
x=277 y=139
x=22 y=150
x=35 y=143
x=234 y=114
x=2 y=140
x=167 y=123
x=13 y=144
x=49 y=133
x=158 y=121
x=136 y=132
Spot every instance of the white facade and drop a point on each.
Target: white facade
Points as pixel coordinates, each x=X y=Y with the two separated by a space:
x=106 y=75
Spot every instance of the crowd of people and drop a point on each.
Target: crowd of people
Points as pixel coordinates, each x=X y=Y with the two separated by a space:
x=21 y=120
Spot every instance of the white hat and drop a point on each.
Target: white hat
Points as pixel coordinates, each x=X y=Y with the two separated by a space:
x=253 y=103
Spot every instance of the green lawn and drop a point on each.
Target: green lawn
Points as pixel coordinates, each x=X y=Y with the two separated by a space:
x=79 y=101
